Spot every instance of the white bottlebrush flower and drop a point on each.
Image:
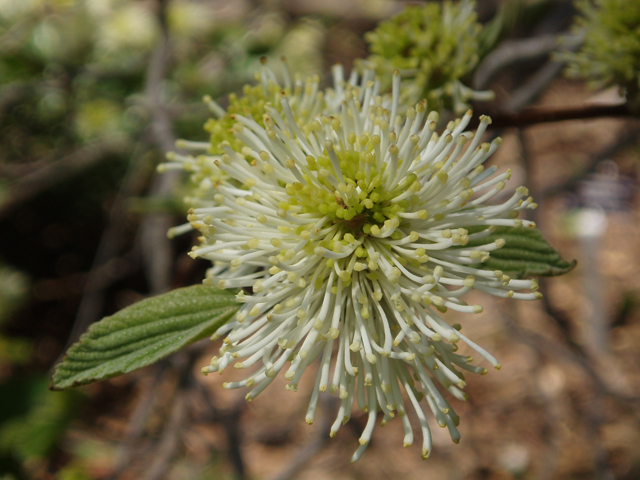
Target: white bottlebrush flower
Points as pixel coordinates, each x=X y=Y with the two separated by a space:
x=351 y=230
x=305 y=99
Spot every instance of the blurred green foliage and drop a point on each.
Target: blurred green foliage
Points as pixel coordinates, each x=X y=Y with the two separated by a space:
x=14 y=286
x=251 y=103
x=74 y=70
x=32 y=420
x=610 y=54
x=14 y=289
x=73 y=472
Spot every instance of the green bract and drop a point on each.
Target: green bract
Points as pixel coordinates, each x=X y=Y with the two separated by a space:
x=611 y=51
x=435 y=46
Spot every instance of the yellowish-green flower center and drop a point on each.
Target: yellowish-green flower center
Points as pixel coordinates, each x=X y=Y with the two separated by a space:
x=361 y=202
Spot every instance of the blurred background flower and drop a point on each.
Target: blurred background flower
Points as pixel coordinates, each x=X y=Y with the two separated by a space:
x=610 y=55
x=436 y=47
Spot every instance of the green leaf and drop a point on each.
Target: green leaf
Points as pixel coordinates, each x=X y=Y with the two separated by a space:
x=143 y=333
x=525 y=253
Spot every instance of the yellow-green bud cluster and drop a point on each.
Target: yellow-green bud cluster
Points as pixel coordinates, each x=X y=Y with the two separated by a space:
x=435 y=46
x=610 y=54
x=306 y=100
x=251 y=103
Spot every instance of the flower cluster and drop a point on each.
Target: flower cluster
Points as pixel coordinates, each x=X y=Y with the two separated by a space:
x=352 y=226
x=610 y=54
x=434 y=47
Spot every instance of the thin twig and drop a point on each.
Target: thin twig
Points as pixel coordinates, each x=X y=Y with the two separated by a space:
x=553 y=351
x=329 y=407
x=170 y=440
x=138 y=421
x=101 y=277
x=157 y=253
x=157 y=456
x=158 y=256
x=537 y=83
x=594 y=420
x=510 y=52
x=13 y=171
x=231 y=423
x=229 y=420
x=552 y=414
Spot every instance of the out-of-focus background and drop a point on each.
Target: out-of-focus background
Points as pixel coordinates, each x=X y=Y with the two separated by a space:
x=93 y=93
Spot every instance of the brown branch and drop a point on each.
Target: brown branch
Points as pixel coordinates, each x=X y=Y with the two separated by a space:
x=548 y=400
x=551 y=351
x=137 y=422
x=178 y=420
x=170 y=441
x=157 y=253
x=14 y=171
x=570 y=349
x=229 y=419
x=309 y=451
x=534 y=116
x=156 y=456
